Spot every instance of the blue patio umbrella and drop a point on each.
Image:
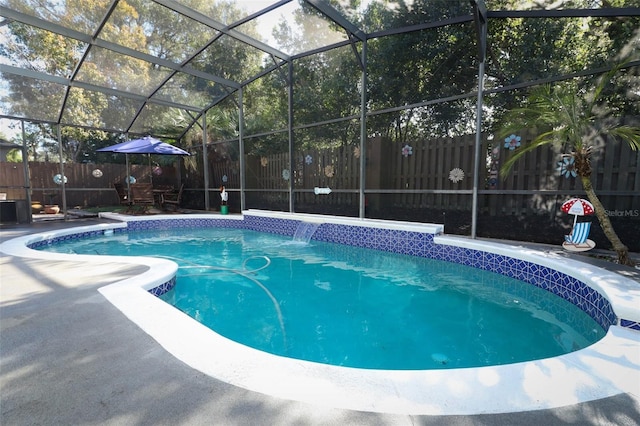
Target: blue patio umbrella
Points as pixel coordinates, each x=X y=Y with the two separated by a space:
x=145 y=145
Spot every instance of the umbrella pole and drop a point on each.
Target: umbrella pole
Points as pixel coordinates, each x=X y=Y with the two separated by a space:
x=150 y=170
x=126 y=160
x=575 y=219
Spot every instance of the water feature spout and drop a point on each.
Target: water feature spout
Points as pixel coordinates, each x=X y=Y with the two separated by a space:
x=305 y=231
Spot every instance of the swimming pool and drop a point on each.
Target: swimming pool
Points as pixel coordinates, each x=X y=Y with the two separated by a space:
x=608 y=367
x=352 y=306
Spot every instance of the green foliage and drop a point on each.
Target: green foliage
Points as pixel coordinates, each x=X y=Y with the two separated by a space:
x=568 y=114
x=265 y=104
x=418 y=67
x=416 y=70
x=525 y=50
x=14 y=156
x=577 y=117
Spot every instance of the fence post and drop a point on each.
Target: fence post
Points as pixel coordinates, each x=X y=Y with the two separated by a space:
x=378 y=169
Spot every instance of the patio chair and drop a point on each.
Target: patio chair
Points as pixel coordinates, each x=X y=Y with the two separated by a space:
x=142 y=195
x=123 y=196
x=577 y=240
x=171 y=198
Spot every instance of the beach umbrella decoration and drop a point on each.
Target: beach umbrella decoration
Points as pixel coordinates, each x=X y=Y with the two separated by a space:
x=577 y=207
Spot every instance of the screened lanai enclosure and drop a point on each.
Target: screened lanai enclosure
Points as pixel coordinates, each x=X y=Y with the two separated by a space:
x=399 y=110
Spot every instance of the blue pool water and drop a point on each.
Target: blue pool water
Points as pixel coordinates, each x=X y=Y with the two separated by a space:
x=352 y=306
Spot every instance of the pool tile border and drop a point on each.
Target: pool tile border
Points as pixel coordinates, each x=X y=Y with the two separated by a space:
x=401 y=241
x=61 y=238
x=163 y=288
x=633 y=325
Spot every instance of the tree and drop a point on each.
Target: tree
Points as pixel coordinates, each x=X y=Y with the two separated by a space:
x=577 y=118
x=410 y=68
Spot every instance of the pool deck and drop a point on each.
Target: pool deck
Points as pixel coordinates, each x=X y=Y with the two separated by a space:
x=68 y=356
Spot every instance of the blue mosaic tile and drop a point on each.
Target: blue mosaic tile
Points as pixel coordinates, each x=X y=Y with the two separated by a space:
x=163 y=288
x=270 y=225
x=50 y=241
x=537 y=281
x=477 y=259
x=634 y=325
x=162 y=224
x=437 y=254
x=555 y=276
x=544 y=273
x=519 y=274
x=545 y=284
x=490 y=259
x=534 y=269
x=553 y=287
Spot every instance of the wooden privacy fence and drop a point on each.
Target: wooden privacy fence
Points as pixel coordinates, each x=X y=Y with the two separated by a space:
x=87 y=185
x=12 y=181
x=438 y=174
x=428 y=174
x=335 y=168
x=536 y=183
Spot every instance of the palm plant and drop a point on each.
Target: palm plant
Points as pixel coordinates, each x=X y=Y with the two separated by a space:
x=578 y=120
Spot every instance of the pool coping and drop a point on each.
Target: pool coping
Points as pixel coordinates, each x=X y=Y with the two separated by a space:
x=607 y=368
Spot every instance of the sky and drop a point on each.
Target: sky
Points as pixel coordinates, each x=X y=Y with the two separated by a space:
x=6 y=131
